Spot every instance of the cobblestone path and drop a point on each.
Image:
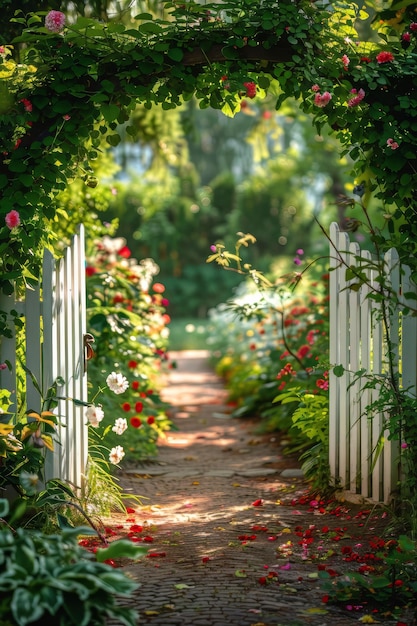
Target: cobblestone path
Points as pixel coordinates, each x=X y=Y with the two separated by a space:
x=222 y=508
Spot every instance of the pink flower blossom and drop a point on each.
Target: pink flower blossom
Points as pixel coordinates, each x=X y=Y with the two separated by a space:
x=392 y=144
x=404 y=445
x=413 y=26
x=321 y=100
x=55 y=21
x=406 y=37
x=12 y=219
x=345 y=61
x=27 y=105
x=357 y=98
x=315 y=88
x=384 y=57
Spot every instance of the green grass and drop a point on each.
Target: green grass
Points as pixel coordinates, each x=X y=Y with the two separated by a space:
x=188 y=334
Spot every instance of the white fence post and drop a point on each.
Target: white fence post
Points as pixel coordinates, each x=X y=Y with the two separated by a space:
x=359 y=340
x=65 y=330
x=54 y=347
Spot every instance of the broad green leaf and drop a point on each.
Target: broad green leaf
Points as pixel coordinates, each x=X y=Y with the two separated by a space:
x=176 y=54
x=121 y=548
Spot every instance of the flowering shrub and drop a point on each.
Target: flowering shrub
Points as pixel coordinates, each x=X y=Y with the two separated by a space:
x=126 y=313
x=274 y=352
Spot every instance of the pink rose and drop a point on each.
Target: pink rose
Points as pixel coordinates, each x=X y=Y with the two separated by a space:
x=12 y=219
x=321 y=100
x=55 y=21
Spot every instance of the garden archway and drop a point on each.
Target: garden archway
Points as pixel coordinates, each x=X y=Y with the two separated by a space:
x=79 y=81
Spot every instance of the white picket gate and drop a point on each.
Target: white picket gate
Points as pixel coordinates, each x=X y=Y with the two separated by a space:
x=358 y=340
x=54 y=315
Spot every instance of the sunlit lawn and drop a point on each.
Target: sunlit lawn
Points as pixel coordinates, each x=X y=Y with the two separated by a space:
x=188 y=334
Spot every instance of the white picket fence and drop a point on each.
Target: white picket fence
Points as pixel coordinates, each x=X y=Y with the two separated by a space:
x=54 y=315
x=357 y=341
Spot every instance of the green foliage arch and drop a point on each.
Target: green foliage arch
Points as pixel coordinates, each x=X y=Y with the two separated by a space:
x=72 y=85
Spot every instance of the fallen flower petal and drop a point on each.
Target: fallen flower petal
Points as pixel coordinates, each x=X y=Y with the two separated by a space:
x=258 y=502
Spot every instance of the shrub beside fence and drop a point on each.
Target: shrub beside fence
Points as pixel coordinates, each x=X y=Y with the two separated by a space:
x=358 y=342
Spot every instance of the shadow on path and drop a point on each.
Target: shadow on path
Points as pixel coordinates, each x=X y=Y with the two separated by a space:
x=231 y=543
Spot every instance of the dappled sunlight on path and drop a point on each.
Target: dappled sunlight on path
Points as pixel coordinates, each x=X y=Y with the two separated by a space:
x=233 y=541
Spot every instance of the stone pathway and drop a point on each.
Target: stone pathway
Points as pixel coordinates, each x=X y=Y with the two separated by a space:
x=221 y=506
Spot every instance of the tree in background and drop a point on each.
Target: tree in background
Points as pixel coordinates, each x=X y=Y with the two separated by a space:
x=195 y=177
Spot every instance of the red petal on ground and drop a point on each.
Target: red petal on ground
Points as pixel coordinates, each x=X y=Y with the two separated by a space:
x=258 y=502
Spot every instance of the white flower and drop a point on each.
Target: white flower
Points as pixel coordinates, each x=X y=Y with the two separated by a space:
x=116 y=455
x=94 y=414
x=29 y=482
x=117 y=382
x=120 y=425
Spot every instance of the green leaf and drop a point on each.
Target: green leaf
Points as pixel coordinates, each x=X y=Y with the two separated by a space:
x=25 y=606
x=4 y=507
x=150 y=28
x=230 y=52
x=120 y=548
x=240 y=573
x=176 y=54
x=110 y=112
x=144 y=16
x=114 y=140
x=338 y=370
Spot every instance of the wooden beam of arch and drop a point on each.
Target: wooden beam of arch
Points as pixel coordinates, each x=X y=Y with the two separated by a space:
x=280 y=53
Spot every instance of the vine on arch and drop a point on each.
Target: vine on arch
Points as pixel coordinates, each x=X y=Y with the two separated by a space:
x=74 y=83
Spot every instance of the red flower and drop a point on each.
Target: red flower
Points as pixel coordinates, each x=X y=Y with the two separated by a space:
x=27 y=105
x=132 y=364
x=303 y=351
x=135 y=385
x=135 y=421
x=124 y=252
x=150 y=420
x=250 y=89
x=90 y=271
x=126 y=406
x=384 y=57
x=138 y=407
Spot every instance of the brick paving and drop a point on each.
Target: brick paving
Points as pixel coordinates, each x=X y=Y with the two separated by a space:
x=213 y=544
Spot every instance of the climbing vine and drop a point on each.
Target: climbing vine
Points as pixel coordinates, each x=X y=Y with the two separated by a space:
x=64 y=86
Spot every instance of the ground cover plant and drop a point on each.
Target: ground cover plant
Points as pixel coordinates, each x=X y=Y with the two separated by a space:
x=51 y=579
